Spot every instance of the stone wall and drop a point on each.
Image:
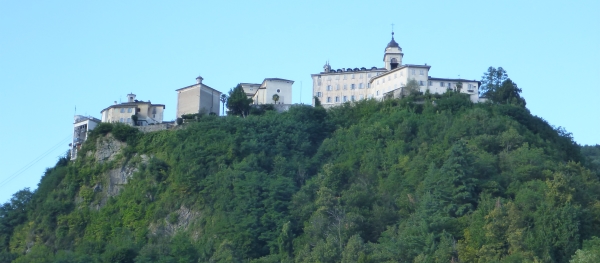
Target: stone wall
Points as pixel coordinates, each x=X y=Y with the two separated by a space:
x=156 y=127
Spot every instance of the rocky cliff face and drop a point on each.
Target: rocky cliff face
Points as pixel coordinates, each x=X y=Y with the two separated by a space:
x=108 y=149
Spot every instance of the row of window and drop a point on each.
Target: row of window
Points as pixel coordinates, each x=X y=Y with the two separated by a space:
x=352 y=76
x=128 y=120
x=352 y=86
x=129 y=110
x=345 y=98
x=360 y=76
x=442 y=84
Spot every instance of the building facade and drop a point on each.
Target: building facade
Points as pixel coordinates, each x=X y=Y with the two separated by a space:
x=263 y=93
x=197 y=98
x=334 y=87
x=81 y=127
x=145 y=112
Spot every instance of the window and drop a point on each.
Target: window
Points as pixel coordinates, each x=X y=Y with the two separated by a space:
x=278 y=90
x=429 y=83
x=337 y=87
x=351 y=86
x=421 y=83
x=377 y=93
x=389 y=77
x=128 y=110
x=121 y=120
x=360 y=76
x=360 y=85
x=345 y=87
x=369 y=75
x=401 y=73
x=344 y=76
x=352 y=98
x=337 y=76
x=382 y=80
x=362 y=97
x=328 y=77
x=421 y=72
x=337 y=99
x=395 y=75
x=345 y=98
x=122 y=110
x=368 y=85
x=353 y=76
x=319 y=94
x=128 y=120
x=412 y=71
x=441 y=84
x=328 y=99
x=328 y=87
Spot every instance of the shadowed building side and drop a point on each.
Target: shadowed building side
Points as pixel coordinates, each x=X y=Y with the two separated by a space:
x=197 y=98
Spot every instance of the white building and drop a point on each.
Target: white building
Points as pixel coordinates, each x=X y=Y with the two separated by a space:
x=263 y=93
x=197 y=98
x=81 y=126
x=334 y=87
x=145 y=112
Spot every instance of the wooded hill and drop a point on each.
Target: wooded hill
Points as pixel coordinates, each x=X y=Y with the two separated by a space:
x=420 y=179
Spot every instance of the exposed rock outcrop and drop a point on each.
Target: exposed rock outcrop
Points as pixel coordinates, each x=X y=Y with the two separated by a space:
x=107 y=148
x=178 y=220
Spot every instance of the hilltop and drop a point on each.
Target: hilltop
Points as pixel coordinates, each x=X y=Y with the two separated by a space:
x=426 y=178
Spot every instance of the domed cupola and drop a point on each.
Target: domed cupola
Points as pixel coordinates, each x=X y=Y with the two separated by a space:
x=393 y=43
x=393 y=55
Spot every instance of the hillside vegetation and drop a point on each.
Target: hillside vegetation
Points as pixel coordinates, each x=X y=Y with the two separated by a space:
x=420 y=179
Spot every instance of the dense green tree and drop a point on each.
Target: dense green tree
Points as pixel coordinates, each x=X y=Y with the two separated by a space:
x=507 y=93
x=238 y=102
x=492 y=80
x=589 y=253
x=412 y=87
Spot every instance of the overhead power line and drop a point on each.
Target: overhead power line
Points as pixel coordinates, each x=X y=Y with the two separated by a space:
x=34 y=161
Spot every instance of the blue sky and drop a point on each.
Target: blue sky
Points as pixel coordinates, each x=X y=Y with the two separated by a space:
x=58 y=55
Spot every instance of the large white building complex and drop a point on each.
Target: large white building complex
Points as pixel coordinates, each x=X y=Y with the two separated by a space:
x=334 y=87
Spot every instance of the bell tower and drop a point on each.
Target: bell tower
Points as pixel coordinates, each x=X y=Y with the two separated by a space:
x=393 y=55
